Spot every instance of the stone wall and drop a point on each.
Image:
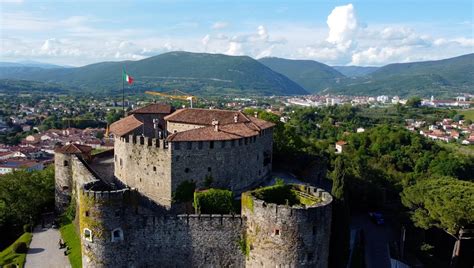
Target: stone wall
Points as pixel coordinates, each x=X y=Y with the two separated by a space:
x=63 y=181
x=283 y=236
x=156 y=168
x=148 y=240
x=178 y=127
x=145 y=164
x=236 y=165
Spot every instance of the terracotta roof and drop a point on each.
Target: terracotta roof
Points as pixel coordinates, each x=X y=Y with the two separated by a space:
x=74 y=148
x=125 y=125
x=205 y=116
x=226 y=132
x=155 y=108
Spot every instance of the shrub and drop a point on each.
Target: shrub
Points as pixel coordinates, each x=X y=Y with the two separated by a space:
x=214 y=201
x=27 y=228
x=20 y=247
x=184 y=191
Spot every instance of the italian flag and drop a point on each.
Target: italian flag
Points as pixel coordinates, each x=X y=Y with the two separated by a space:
x=127 y=77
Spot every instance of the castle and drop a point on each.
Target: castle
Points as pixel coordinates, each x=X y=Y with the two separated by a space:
x=128 y=216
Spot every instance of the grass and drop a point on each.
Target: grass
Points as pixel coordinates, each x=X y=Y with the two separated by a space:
x=455 y=147
x=285 y=194
x=8 y=256
x=468 y=114
x=70 y=237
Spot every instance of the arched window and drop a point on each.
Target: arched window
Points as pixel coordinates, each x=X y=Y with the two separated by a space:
x=117 y=235
x=87 y=234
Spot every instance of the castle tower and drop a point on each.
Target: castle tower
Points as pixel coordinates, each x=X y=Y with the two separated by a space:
x=293 y=234
x=63 y=172
x=103 y=230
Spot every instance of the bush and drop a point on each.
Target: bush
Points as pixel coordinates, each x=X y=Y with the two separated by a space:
x=27 y=228
x=20 y=247
x=184 y=191
x=214 y=201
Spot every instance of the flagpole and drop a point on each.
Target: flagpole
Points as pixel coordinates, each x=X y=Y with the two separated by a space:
x=123 y=93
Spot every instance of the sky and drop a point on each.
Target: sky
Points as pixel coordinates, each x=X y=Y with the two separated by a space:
x=364 y=33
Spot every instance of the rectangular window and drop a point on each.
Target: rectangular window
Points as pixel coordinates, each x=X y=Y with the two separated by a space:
x=211 y=145
x=121 y=162
x=222 y=144
x=240 y=142
x=66 y=163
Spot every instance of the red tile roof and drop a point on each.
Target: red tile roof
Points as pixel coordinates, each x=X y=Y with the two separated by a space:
x=225 y=132
x=125 y=125
x=74 y=148
x=205 y=116
x=155 y=108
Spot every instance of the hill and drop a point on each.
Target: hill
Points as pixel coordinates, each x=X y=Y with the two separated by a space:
x=312 y=75
x=197 y=73
x=30 y=64
x=355 y=71
x=446 y=77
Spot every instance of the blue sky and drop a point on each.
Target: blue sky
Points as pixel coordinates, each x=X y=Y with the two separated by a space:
x=333 y=32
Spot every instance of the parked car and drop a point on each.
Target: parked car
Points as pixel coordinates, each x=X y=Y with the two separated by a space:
x=377 y=217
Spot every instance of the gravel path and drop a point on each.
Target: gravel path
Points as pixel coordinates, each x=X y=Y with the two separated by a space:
x=44 y=250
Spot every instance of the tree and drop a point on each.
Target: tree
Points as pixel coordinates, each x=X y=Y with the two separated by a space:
x=339 y=245
x=445 y=203
x=414 y=102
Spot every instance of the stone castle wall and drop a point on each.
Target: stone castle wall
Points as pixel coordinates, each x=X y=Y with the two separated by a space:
x=148 y=240
x=145 y=164
x=63 y=181
x=156 y=168
x=173 y=127
x=283 y=236
x=235 y=165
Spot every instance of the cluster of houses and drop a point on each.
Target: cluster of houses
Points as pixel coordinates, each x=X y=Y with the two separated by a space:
x=446 y=130
x=36 y=151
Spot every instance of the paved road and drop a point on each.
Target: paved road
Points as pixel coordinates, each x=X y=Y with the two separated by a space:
x=377 y=238
x=44 y=250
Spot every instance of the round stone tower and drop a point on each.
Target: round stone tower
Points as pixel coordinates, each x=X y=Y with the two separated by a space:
x=102 y=224
x=287 y=226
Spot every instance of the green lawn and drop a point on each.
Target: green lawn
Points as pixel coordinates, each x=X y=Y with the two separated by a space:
x=69 y=235
x=7 y=256
x=468 y=114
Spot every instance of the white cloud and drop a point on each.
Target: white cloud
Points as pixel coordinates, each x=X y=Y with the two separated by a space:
x=342 y=23
x=235 y=49
x=378 y=56
x=219 y=25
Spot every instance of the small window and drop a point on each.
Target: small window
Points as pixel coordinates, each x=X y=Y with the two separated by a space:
x=209 y=169
x=211 y=145
x=276 y=232
x=154 y=168
x=65 y=188
x=117 y=235
x=189 y=145
x=200 y=145
x=186 y=170
x=315 y=229
x=88 y=235
x=87 y=213
x=175 y=131
x=240 y=142
x=117 y=213
x=222 y=144
x=115 y=157
x=66 y=163
x=121 y=162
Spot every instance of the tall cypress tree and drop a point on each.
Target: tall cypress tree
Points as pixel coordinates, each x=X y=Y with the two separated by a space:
x=340 y=233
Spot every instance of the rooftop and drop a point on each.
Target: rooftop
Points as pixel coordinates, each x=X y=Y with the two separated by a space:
x=74 y=148
x=155 y=108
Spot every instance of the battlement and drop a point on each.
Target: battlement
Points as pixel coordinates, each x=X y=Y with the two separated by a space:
x=98 y=191
x=146 y=141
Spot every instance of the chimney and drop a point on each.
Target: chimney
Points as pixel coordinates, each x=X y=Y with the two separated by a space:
x=255 y=114
x=236 y=118
x=215 y=123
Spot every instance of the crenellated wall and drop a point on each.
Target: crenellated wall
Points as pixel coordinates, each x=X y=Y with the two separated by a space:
x=148 y=240
x=284 y=236
x=145 y=164
x=156 y=168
